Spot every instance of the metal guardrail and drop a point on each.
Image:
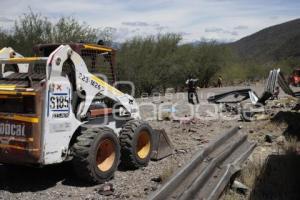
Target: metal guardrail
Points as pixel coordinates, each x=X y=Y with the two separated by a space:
x=208 y=173
x=284 y=85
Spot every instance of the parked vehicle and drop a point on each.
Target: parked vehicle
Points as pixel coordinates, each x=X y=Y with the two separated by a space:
x=44 y=103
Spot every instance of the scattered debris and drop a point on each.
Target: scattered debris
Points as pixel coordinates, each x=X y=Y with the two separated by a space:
x=153 y=188
x=269 y=138
x=239 y=187
x=244 y=93
x=185 y=120
x=233 y=109
x=192 y=130
x=280 y=140
x=296 y=107
x=180 y=151
x=157 y=179
x=166 y=116
x=262 y=117
x=106 y=189
x=170 y=90
x=204 y=141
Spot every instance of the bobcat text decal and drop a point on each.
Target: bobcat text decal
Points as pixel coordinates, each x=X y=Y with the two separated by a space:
x=9 y=129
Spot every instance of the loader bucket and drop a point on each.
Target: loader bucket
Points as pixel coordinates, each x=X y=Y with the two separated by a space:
x=162 y=145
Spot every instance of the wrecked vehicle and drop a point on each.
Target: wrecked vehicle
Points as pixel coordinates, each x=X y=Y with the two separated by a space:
x=254 y=109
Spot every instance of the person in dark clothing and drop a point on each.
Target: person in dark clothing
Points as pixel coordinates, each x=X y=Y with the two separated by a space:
x=191 y=83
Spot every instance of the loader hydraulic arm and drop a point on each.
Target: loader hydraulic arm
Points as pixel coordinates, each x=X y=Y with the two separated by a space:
x=88 y=83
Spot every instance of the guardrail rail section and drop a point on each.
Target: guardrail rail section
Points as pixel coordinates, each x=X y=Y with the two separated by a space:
x=208 y=173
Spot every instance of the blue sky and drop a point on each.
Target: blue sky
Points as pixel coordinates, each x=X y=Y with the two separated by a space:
x=223 y=20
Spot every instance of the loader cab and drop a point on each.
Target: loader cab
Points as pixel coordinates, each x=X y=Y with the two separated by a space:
x=21 y=108
x=99 y=59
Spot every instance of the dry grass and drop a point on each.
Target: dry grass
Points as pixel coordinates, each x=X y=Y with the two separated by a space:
x=279 y=177
x=166 y=116
x=275 y=127
x=273 y=177
x=292 y=146
x=232 y=195
x=167 y=172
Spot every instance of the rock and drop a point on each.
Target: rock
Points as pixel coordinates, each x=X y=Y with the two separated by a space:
x=180 y=151
x=117 y=196
x=157 y=179
x=239 y=187
x=166 y=116
x=153 y=188
x=136 y=195
x=193 y=130
x=280 y=140
x=198 y=139
x=267 y=144
x=262 y=117
x=106 y=189
x=170 y=90
x=185 y=121
x=269 y=138
x=204 y=141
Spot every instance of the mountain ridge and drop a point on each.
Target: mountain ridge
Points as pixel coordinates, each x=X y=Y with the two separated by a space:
x=272 y=43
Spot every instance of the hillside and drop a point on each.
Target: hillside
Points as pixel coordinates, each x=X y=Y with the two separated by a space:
x=272 y=43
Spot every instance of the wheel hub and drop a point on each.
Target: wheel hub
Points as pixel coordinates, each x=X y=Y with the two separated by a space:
x=143 y=144
x=105 y=155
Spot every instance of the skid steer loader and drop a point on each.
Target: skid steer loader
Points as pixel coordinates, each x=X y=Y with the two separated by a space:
x=44 y=103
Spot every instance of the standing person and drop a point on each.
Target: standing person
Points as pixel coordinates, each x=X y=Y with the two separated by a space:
x=220 y=81
x=191 y=83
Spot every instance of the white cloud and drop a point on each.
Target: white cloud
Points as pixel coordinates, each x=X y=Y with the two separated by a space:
x=5 y=19
x=225 y=20
x=240 y=27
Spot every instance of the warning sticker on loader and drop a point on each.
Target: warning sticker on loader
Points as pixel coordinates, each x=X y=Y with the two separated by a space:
x=59 y=102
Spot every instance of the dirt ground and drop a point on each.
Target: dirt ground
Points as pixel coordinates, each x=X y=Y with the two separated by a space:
x=59 y=182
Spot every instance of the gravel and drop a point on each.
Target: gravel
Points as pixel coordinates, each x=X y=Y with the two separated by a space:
x=59 y=182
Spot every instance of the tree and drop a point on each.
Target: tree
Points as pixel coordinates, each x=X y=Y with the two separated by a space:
x=70 y=30
x=33 y=28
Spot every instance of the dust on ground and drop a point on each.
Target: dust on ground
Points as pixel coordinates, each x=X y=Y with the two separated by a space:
x=59 y=182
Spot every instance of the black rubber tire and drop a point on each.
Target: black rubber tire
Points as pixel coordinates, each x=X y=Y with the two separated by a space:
x=128 y=140
x=85 y=153
x=246 y=116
